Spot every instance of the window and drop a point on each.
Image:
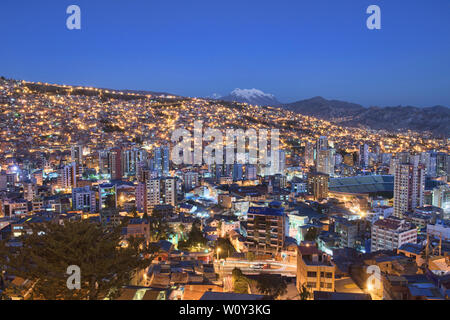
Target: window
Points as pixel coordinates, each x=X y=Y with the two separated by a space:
x=311 y=284
x=312 y=274
x=329 y=275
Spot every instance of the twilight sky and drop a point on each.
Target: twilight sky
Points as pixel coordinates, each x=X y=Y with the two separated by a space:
x=294 y=49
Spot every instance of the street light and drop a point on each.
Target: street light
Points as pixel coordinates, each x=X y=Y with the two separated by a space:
x=218 y=250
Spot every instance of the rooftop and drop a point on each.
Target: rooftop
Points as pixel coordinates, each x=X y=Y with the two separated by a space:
x=209 y=295
x=362 y=184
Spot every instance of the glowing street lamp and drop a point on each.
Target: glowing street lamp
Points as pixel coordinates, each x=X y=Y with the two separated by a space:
x=218 y=250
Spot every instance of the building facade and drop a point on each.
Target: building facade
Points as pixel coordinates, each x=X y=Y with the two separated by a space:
x=391 y=234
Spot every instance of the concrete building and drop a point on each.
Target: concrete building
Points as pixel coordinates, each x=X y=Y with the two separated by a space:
x=314 y=269
x=190 y=180
x=318 y=185
x=391 y=234
x=347 y=231
x=160 y=191
x=298 y=186
x=441 y=198
x=363 y=155
x=76 y=154
x=409 y=185
x=115 y=163
x=83 y=199
x=160 y=161
x=440 y=230
x=30 y=191
x=107 y=196
x=325 y=161
x=266 y=230
x=309 y=154
x=67 y=176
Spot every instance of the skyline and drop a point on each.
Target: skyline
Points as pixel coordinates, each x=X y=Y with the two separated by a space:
x=194 y=50
x=255 y=154
x=103 y=170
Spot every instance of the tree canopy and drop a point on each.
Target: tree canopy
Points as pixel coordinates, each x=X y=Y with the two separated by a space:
x=240 y=281
x=312 y=234
x=159 y=227
x=105 y=264
x=304 y=292
x=226 y=247
x=195 y=237
x=272 y=285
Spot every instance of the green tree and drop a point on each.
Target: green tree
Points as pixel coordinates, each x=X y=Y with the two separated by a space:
x=3 y=261
x=106 y=266
x=240 y=281
x=240 y=286
x=236 y=273
x=226 y=247
x=311 y=234
x=304 y=292
x=181 y=229
x=133 y=211
x=272 y=285
x=195 y=237
x=159 y=227
x=110 y=201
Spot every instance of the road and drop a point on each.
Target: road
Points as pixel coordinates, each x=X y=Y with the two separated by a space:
x=226 y=267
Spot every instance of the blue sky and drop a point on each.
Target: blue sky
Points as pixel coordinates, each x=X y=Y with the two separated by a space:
x=294 y=49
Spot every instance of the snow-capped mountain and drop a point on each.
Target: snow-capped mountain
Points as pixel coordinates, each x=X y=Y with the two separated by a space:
x=252 y=96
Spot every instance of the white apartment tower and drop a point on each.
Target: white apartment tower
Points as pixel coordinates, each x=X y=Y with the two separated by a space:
x=161 y=191
x=409 y=185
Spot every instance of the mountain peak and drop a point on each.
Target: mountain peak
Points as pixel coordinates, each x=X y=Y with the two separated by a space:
x=250 y=93
x=318 y=98
x=252 y=96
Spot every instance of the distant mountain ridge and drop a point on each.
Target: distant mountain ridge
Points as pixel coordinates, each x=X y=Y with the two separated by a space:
x=433 y=119
x=146 y=92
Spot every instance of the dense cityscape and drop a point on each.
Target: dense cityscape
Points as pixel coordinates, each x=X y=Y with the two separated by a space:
x=87 y=179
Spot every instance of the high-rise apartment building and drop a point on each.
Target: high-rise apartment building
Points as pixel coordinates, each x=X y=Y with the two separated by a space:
x=67 y=176
x=322 y=143
x=309 y=154
x=318 y=185
x=160 y=161
x=190 y=180
x=266 y=229
x=251 y=172
x=115 y=163
x=325 y=161
x=363 y=155
x=441 y=197
x=131 y=160
x=76 y=154
x=30 y=190
x=160 y=191
x=409 y=185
